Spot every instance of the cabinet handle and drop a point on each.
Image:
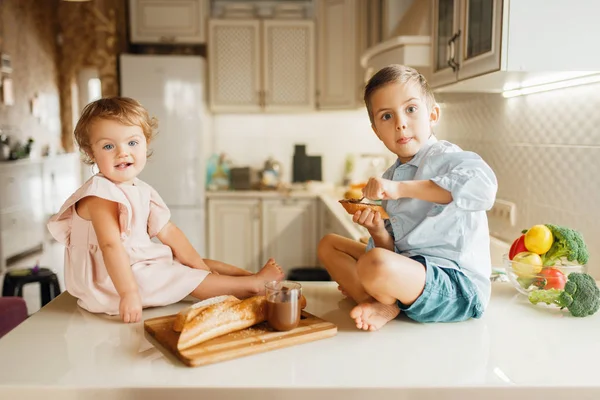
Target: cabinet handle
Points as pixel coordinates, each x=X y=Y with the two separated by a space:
x=264 y=98
x=452 y=52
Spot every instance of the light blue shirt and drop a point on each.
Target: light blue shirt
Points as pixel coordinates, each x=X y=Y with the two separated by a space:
x=454 y=235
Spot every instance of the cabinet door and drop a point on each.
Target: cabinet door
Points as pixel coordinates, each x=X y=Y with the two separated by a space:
x=445 y=28
x=167 y=21
x=481 y=38
x=234 y=232
x=234 y=65
x=289 y=65
x=290 y=232
x=338 y=45
x=61 y=178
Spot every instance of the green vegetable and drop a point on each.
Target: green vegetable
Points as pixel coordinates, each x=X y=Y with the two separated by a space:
x=568 y=243
x=536 y=281
x=580 y=296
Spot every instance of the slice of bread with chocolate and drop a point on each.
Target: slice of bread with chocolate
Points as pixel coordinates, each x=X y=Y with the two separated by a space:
x=353 y=206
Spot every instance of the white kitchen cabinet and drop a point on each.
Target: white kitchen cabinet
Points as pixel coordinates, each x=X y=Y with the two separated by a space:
x=61 y=177
x=341 y=39
x=21 y=208
x=259 y=66
x=494 y=45
x=234 y=58
x=289 y=231
x=234 y=232
x=168 y=21
x=288 y=65
x=329 y=223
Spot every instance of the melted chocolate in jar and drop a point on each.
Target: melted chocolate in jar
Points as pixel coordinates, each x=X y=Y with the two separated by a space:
x=283 y=314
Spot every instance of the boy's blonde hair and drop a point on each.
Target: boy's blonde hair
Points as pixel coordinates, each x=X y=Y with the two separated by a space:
x=125 y=110
x=397 y=73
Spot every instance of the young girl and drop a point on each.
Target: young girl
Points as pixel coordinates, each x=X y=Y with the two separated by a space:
x=111 y=264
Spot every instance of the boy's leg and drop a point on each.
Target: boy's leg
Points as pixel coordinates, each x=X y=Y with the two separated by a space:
x=387 y=277
x=339 y=255
x=238 y=286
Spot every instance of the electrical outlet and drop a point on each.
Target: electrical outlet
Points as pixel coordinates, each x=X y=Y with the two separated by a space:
x=505 y=211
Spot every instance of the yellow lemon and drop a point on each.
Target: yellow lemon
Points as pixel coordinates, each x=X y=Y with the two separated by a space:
x=538 y=239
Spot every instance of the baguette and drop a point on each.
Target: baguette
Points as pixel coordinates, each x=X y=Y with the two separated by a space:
x=352 y=207
x=223 y=318
x=188 y=313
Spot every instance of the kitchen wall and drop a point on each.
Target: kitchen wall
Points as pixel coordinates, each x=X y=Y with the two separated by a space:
x=249 y=139
x=49 y=42
x=545 y=151
x=28 y=35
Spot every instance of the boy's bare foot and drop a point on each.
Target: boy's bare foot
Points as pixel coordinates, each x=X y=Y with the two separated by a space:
x=373 y=315
x=344 y=293
x=271 y=271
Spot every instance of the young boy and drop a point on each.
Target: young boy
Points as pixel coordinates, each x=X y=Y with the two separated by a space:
x=431 y=259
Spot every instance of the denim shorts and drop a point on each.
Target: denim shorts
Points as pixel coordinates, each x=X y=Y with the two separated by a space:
x=448 y=296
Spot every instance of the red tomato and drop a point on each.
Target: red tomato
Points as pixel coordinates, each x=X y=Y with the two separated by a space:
x=555 y=279
x=517 y=247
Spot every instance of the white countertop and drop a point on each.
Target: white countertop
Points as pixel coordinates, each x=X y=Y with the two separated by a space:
x=531 y=351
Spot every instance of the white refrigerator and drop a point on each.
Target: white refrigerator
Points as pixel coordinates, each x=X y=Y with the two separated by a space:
x=172 y=88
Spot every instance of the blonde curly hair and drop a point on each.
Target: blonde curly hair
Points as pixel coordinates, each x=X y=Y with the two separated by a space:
x=125 y=110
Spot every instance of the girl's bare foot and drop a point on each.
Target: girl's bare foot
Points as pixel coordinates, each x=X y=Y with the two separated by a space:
x=373 y=315
x=271 y=271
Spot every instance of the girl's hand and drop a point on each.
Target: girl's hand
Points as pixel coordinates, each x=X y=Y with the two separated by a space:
x=369 y=219
x=382 y=189
x=130 y=307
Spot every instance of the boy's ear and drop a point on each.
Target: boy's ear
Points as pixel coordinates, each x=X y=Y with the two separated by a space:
x=375 y=130
x=434 y=116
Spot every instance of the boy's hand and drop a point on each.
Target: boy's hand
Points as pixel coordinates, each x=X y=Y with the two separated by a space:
x=382 y=189
x=369 y=219
x=130 y=307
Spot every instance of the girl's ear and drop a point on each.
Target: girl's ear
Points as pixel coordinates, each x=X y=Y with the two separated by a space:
x=434 y=116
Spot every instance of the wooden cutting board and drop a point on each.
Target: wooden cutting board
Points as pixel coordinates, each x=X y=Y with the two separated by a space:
x=256 y=339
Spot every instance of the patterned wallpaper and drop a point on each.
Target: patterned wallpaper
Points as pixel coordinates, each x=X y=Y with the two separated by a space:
x=27 y=35
x=92 y=34
x=545 y=151
x=49 y=42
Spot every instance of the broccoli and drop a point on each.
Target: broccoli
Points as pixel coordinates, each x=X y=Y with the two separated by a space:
x=568 y=243
x=580 y=296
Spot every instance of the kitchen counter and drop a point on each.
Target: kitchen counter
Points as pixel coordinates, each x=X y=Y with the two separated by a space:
x=515 y=351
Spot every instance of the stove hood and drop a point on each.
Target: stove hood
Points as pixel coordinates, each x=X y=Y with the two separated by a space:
x=410 y=43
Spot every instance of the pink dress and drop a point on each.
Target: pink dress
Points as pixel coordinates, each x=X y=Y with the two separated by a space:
x=142 y=214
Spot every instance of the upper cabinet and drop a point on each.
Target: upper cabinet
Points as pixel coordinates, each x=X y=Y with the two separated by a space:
x=168 y=21
x=495 y=45
x=342 y=37
x=467 y=37
x=261 y=65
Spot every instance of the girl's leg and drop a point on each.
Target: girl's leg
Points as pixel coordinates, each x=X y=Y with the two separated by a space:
x=226 y=269
x=339 y=255
x=239 y=286
x=387 y=277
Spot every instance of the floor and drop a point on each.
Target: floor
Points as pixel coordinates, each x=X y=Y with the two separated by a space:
x=51 y=257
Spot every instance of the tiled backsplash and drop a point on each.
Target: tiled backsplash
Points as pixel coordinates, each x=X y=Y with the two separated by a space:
x=545 y=151
x=249 y=139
